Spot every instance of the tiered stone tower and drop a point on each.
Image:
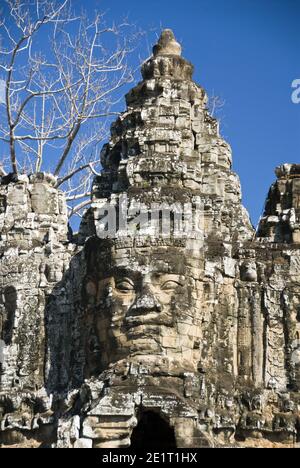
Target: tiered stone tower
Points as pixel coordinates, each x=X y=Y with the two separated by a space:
x=147 y=333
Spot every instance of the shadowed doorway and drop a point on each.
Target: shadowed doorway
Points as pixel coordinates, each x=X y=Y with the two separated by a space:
x=152 y=432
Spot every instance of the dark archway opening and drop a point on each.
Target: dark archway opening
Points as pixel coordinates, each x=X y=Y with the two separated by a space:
x=152 y=432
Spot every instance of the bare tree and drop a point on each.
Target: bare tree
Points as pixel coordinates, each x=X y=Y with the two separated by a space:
x=62 y=73
x=215 y=104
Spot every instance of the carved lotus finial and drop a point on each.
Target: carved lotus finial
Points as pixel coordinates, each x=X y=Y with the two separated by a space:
x=167 y=44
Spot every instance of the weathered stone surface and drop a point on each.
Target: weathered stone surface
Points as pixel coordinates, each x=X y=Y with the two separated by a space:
x=184 y=337
x=281 y=219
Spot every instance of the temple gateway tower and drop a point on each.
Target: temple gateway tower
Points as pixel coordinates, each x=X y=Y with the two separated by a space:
x=168 y=321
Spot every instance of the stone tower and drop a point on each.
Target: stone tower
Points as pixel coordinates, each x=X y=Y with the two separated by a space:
x=167 y=322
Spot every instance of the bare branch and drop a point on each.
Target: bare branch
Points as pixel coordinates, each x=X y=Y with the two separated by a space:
x=77 y=208
x=73 y=173
x=79 y=196
x=97 y=174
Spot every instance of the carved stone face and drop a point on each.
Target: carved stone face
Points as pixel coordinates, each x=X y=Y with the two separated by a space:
x=145 y=306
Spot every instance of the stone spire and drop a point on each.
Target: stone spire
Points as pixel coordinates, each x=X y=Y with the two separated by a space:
x=167 y=44
x=167 y=139
x=167 y=60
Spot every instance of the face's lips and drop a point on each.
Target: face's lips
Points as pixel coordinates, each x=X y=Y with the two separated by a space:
x=148 y=318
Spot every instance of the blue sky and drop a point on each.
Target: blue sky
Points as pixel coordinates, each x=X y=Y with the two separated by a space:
x=247 y=52
x=1 y=91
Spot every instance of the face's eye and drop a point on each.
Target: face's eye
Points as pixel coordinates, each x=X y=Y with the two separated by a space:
x=170 y=285
x=124 y=285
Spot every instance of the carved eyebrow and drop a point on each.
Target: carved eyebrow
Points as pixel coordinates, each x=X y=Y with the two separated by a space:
x=125 y=272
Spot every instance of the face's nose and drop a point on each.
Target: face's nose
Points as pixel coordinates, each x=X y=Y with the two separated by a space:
x=145 y=302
